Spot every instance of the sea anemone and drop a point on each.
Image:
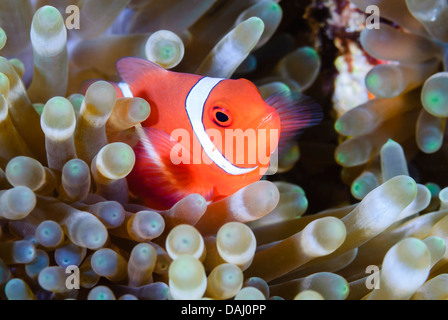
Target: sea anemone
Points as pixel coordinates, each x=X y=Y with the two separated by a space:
x=70 y=228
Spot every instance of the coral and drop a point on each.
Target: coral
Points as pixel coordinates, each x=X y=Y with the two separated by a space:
x=377 y=231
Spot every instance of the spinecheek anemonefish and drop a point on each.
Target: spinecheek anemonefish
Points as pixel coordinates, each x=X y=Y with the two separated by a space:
x=226 y=120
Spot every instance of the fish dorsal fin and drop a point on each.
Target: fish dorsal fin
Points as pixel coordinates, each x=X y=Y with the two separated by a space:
x=296 y=111
x=132 y=69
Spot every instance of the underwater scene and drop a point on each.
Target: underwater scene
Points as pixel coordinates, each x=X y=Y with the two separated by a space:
x=223 y=150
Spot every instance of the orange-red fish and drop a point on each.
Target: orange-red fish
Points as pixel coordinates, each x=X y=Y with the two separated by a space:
x=204 y=135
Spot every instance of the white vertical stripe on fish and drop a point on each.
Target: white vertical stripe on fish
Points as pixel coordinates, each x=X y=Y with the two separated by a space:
x=124 y=87
x=194 y=105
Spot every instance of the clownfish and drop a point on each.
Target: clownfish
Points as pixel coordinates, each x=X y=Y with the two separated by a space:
x=203 y=133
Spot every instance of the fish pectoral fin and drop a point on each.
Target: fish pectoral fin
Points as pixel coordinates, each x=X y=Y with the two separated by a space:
x=163 y=169
x=296 y=111
x=132 y=69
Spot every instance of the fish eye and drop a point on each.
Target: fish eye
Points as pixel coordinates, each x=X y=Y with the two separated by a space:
x=222 y=117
